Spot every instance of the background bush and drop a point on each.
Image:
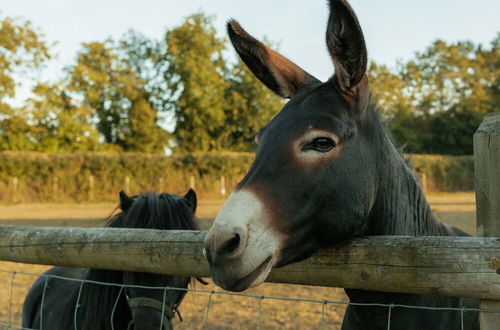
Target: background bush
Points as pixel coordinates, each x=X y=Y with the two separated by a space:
x=446 y=173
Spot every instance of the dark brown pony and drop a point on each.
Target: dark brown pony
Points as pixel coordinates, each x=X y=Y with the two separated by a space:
x=52 y=301
x=325 y=171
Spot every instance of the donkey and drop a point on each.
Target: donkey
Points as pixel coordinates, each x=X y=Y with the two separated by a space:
x=325 y=171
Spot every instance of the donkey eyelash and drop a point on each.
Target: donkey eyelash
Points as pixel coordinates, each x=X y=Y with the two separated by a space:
x=320 y=144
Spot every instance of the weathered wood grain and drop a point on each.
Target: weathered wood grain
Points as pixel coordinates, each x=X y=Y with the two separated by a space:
x=454 y=266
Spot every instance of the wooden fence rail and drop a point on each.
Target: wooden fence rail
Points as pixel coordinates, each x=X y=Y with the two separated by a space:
x=453 y=266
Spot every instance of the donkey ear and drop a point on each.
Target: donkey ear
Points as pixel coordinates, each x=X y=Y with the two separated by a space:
x=347 y=49
x=125 y=201
x=278 y=73
x=190 y=196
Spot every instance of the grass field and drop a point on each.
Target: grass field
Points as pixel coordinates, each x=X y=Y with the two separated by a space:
x=226 y=312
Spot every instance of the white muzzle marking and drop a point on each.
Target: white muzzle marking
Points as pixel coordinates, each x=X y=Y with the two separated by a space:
x=245 y=214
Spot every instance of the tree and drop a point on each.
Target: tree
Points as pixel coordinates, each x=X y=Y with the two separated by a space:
x=145 y=135
x=59 y=123
x=116 y=79
x=448 y=76
x=453 y=130
x=490 y=60
x=106 y=85
x=22 y=49
x=435 y=101
x=449 y=83
x=196 y=76
x=250 y=106
x=147 y=59
x=15 y=133
x=388 y=92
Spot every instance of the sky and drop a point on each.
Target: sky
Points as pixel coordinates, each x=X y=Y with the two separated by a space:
x=394 y=29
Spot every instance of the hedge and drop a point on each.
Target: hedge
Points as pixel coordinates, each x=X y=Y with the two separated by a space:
x=446 y=173
x=96 y=176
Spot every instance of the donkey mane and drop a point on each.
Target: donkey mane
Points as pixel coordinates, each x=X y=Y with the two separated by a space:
x=401 y=207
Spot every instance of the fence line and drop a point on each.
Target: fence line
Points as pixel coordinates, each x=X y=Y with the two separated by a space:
x=446 y=265
x=55 y=188
x=21 y=189
x=260 y=298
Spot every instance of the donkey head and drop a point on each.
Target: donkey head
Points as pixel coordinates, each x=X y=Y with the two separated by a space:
x=312 y=181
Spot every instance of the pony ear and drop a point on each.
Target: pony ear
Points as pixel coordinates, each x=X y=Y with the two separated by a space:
x=347 y=49
x=278 y=73
x=190 y=196
x=125 y=201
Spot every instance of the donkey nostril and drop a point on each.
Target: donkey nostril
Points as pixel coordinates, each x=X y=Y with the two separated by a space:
x=231 y=245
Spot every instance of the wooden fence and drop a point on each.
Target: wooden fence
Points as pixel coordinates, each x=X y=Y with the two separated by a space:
x=455 y=266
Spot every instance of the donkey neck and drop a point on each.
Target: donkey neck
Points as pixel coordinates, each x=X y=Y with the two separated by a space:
x=400 y=206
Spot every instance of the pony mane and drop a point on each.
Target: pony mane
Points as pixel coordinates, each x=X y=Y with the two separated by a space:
x=153 y=211
x=163 y=211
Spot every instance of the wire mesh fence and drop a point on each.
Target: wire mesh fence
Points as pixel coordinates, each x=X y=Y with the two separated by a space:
x=11 y=308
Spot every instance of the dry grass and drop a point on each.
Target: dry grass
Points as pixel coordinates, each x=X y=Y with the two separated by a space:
x=230 y=312
x=14 y=287
x=457 y=209
x=226 y=312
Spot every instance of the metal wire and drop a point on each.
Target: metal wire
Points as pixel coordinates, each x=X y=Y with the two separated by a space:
x=259 y=311
x=211 y=293
x=114 y=307
x=42 y=303
x=10 y=295
x=163 y=306
x=389 y=317
x=208 y=309
x=75 y=323
x=322 y=323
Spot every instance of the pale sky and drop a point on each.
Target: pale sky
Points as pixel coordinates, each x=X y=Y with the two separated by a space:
x=394 y=29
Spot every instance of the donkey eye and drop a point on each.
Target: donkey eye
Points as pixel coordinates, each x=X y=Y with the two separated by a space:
x=321 y=144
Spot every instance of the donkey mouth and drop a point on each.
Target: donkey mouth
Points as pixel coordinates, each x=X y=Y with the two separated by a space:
x=254 y=278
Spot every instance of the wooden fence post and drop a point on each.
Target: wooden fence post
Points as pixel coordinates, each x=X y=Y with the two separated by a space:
x=192 y=182
x=127 y=185
x=160 y=185
x=14 y=189
x=487 y=185
x=55 y=188
x=423 y=182
x=222 y=185
x=91 y=188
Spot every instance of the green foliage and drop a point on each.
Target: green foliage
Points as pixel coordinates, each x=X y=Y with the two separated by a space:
x=435 y=102
x=145 y=135
x=107 y=85
x=15 y=133
x=37 y=174
x=217 y=106
x=21 y=48
x=251 y=105
x=58 y=123
x=446 y=173
x=111 y=78
x=196 y=74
